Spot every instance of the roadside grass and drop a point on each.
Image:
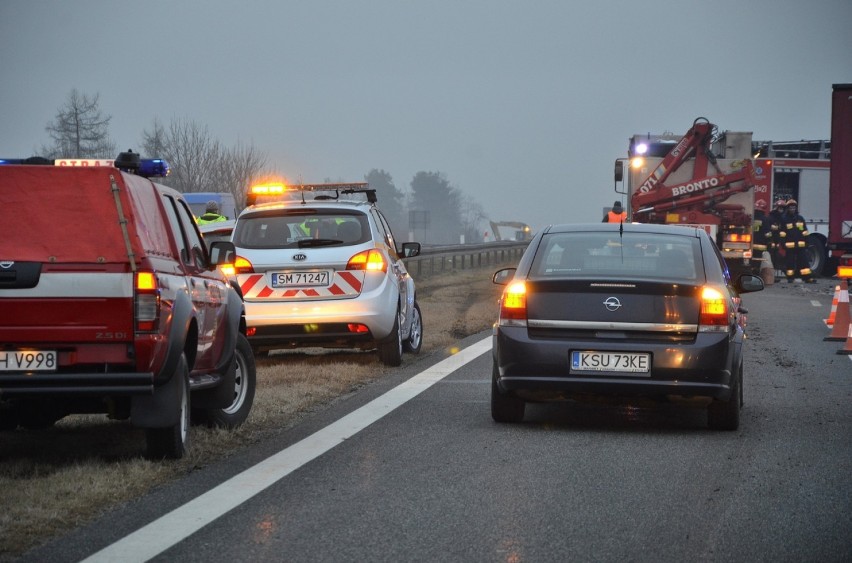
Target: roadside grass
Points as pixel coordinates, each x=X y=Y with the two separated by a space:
x=57 y=479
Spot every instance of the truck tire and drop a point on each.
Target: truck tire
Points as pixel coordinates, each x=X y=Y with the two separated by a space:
x=245 y=383
x=172 y=442
x=815 y=253
x=415 y=338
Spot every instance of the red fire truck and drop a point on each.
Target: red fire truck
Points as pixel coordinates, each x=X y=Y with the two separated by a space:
x=818 y=175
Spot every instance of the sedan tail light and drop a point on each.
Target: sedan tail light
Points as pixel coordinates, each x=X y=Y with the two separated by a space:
x=371 y=260
x=513 y=305
x=714 y=311
x=242 y=266
x=147 y=302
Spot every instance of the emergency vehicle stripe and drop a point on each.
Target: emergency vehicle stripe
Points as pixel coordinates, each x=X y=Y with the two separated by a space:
x=350 y=278
x=74 y=284
x=344 y=284
x=250 y=283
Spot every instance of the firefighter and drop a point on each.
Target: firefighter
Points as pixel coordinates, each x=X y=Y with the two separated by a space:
x=761 y=235
x=617 y=215
x=775 y=219
x=794 y=232
x=211 y=214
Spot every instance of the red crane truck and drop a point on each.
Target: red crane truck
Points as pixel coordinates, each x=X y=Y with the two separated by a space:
x=702 y=178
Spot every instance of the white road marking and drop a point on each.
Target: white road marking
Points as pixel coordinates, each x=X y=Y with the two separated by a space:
x=172 y=528
x=816 y=303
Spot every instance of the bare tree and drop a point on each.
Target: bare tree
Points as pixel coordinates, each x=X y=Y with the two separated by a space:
x=80 y=130
x=200 y=163
x=238 y=168
x=155 y=142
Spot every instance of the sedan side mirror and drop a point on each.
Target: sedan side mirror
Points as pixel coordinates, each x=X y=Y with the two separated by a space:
x=504 y=276
x=748 y=283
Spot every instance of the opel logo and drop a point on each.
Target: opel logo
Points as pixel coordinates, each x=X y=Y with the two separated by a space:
x=612 y=304
x=5 y=264
x=299 y=257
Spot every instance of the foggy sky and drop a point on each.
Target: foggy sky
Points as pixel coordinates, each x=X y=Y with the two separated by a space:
x=522 y=105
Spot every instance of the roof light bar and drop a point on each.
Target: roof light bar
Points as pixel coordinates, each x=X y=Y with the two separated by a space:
x=277 y=189
x=127 y=161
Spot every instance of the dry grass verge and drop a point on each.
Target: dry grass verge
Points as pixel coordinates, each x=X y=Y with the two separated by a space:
x=57 y=479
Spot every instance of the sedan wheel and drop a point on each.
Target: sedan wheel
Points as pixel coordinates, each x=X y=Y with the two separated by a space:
x=725 y=415
x=504 y=407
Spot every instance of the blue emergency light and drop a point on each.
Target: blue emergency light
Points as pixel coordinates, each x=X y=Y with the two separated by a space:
x=146 y=167
x=154 y=167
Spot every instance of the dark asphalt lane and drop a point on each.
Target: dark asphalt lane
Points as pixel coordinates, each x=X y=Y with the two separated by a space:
x=436 y=479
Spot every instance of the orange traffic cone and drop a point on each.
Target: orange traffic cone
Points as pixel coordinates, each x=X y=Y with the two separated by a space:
x=840 y=329
x=847 y=348
x=830 y=320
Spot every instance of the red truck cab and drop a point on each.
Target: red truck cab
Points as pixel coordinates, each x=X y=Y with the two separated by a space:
x=110 y=302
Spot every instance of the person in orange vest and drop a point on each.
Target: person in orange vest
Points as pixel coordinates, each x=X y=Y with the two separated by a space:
x=616 y=215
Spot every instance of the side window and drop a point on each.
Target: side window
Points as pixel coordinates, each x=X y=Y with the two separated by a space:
x=385 y=229
x=177 y=230
x=197 y=248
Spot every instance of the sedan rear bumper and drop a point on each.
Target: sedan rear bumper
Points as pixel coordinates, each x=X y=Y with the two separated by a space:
x=540 y=368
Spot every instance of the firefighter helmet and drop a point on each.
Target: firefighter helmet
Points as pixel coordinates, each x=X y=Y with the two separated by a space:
x=780 y=203
x=792 y=201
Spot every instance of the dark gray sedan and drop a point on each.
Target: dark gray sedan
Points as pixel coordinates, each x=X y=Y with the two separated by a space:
x=624 y=310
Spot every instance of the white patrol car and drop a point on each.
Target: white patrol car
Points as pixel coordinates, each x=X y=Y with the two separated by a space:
x=320 y=267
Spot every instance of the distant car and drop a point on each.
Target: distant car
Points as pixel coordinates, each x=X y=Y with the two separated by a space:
x=326 y=272
x=626 y=310
x=220 y=230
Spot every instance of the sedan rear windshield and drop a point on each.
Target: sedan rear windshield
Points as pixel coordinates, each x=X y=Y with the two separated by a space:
x=629 y=256
x=301 y=228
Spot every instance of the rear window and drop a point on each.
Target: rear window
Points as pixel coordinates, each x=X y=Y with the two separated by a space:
x=630 y=256
x=300 y=228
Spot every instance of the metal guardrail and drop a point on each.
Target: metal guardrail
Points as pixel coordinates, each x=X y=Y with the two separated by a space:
x=438 y=259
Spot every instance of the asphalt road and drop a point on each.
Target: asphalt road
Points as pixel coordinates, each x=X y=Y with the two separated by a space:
x=436 y=479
